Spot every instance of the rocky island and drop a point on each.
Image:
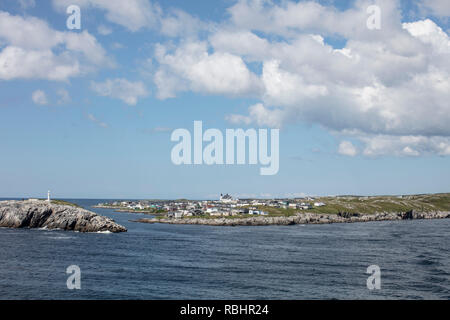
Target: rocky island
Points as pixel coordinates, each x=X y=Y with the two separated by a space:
x=54 y=215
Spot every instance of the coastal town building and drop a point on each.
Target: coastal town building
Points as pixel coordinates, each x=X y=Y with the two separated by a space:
x=319 y=204
x=226 y=198
x=225 y=206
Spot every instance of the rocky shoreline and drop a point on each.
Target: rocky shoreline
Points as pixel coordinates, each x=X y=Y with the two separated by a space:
x=42 y=214
x=303 y=218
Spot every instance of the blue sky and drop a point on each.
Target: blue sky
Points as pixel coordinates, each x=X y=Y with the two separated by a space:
x=360 y=111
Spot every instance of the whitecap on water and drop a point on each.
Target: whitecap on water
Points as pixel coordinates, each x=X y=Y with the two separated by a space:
x=61 y=238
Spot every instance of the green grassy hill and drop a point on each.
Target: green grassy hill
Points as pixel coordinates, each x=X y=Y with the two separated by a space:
x=374 y=204
x=357 y=204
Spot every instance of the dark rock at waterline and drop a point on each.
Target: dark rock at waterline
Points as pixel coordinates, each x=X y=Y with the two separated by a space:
x=42 y=214
x=348 y=215
x=408 y=215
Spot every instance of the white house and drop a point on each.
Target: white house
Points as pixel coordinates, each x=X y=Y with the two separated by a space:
x=319 y=204
x=178 y=214
x=257 y=212
x=211 y=210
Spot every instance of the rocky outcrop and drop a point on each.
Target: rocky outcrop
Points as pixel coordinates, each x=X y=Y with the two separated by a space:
x=348 y=214
x=408 y=215
x=42 y=214
x=302 y=218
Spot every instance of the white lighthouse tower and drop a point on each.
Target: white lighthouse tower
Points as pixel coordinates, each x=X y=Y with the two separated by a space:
x=48 y=196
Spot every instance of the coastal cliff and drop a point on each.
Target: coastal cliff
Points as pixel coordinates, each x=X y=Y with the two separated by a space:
x=42 y=214
x=303 y=218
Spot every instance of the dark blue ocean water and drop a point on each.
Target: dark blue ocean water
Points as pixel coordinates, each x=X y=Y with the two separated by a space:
x=155 y=261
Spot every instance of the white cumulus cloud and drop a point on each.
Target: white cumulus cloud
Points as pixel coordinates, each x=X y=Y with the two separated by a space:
x=119 y=88
x=347 y=148
x=39 y=97
x=33 y=50
x=131 y=14
x=191 y=67
x=381 y=88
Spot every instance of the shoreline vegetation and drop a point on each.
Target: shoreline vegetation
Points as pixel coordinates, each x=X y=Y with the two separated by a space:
x=339 y=209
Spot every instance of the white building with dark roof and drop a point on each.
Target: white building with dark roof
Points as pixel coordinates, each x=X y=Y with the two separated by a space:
x=226 y=198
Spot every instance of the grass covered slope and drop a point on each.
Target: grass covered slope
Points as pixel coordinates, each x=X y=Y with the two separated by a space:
x=365 y=205
x=371 y=205
x=65 y=203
